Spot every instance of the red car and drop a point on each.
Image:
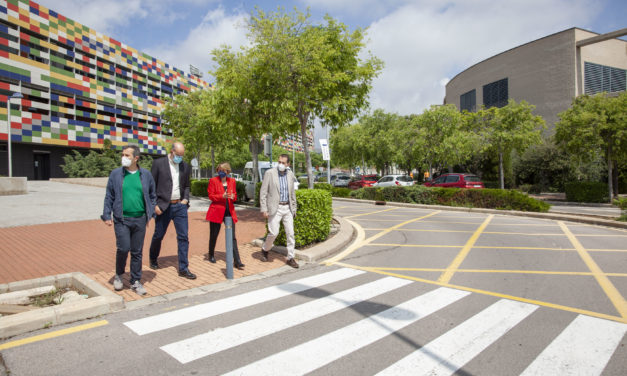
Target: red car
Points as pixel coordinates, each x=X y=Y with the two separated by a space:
x=361 y=181
x=456 y=181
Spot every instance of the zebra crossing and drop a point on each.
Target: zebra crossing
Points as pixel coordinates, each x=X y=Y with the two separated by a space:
x=585 y=345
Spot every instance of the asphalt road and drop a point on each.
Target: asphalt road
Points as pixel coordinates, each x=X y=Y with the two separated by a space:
x=419 y=292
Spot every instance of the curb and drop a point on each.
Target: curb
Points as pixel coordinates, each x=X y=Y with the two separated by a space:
x=102 y=301
x=328 y=247
x=580 y=218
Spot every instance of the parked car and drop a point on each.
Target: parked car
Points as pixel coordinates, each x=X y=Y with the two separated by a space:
x=394 y=180
x=340 y=180
x=237 y=177
x=361 y=181
x=456 y=180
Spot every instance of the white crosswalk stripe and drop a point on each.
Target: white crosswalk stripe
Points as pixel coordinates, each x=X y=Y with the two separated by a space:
x=581 y=345
x=316 y=353
x=202 y=311
x=583 y=348
x=224 y=338
x=452 y=350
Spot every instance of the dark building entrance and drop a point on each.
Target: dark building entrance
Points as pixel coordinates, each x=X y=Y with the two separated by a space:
x=41 y=165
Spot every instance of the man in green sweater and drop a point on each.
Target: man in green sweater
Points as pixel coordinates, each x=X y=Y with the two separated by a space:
x=129 y=205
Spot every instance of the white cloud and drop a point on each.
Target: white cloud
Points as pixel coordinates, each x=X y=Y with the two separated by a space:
x=216 y=29
x=424 y=44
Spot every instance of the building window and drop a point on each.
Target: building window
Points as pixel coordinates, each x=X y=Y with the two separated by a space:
x=468 y=101
x=495 y=94
x=599 y=78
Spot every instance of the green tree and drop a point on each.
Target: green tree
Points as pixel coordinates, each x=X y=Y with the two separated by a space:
x=596 y=123
x=512 y=127
x=308 y=71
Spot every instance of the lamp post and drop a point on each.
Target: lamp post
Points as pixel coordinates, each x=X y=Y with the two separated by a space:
x=14 y=95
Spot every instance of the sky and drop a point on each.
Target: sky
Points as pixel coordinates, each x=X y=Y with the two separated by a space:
x=423 y=43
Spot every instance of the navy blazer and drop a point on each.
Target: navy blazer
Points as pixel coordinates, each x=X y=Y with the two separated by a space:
x=113 y=197
x=163 y=181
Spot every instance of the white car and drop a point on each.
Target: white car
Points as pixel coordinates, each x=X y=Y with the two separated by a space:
x=340 y=180
x=394 y=180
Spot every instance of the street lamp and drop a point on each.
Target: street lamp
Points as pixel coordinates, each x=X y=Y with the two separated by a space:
x=14 y=95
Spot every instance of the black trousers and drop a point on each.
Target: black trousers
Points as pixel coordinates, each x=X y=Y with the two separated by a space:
x=129 y=237
x=214 y=230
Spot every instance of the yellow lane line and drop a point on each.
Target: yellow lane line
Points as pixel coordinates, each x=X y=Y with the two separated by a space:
x=491 y=293
x=470 y=231
x=369 y=213
x=356 y=244
x=503 y=271
x=418 y=230
x=54 y=334
x=361 y=235
x=602 y=235
x=457 y=261
x=492 y=247
x=607 y=286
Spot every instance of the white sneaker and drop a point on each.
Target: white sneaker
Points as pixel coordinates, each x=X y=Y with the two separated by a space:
x=138 y=288
x=117 y=283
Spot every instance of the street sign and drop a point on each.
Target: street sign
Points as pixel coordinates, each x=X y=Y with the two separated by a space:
x=194 y=162
x=324 y=145
x=357 y=169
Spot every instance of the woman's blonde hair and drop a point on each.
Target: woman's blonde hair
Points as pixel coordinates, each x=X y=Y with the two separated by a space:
x=225 y=166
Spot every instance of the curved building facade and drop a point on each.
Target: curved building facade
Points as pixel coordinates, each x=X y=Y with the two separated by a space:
x=548 y=73
x=79 y=88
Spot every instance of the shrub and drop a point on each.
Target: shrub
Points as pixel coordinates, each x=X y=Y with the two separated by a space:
x=199 y=187
x=621 y=203
x=240 y=189
x=340 y=192
x=586 y=191
x=257 y=189
x=476 y=198
x=303 y=184
x=325 y=186
x=313 y=218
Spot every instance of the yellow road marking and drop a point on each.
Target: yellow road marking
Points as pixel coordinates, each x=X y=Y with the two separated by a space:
x=54 y=334
x=356 y=244
x=369 y=213
x=457 y=261
x=504 y=271
x=470 y=231
x=491 y=247
x=491 y=293
x=416 y=230
x=607 y=286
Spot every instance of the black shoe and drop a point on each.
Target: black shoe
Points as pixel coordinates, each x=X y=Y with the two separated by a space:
x=212 y=259
x=187 y=274
x=240 y=266
x=264 y=255
x=154 y=264
x=291 y=262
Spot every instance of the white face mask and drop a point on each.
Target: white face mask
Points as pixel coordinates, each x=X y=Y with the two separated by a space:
x=126 y=162
x=281 y=167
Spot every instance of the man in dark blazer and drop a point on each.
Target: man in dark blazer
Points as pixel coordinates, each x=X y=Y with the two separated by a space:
x=172 y=181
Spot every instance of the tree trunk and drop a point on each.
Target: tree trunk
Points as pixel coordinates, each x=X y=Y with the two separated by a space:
x=610 y=170
x=255 y=154
x=213 y=162
x=501 y=175
x=363 y=164
x=303 y=119
x=615 y=175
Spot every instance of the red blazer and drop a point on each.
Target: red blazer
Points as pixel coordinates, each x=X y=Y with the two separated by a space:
x=216 y=195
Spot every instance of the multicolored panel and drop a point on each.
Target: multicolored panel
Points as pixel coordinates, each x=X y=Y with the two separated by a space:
x=80 y=86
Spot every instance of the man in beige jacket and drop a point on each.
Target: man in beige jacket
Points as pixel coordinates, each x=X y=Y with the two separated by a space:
x=278 y=203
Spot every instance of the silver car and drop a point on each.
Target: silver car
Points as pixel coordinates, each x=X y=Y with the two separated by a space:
x=394 y=180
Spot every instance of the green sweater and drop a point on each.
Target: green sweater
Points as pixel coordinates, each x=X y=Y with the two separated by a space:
x=132 y=195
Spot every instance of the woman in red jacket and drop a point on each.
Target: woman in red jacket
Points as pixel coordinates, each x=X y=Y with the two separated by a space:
x=222 y=193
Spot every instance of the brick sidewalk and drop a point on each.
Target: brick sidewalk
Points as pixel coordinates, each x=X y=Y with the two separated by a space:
x=89 y=246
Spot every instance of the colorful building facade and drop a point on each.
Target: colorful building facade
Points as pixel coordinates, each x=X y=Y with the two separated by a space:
x=79 y=88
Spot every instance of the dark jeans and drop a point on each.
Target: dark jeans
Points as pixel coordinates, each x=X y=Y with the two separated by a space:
x=214 y=230
x=176 y=213
x=129 y=236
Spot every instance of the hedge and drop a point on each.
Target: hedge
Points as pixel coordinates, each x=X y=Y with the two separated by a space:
x=586 y=191
x=313 y=218
x=199 y=188
x=472 y=198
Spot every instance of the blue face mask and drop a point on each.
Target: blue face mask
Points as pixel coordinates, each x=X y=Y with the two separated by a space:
x=177 y=159
x=221 y=174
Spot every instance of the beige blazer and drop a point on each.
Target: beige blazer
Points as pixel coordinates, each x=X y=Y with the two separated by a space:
x=269 y=192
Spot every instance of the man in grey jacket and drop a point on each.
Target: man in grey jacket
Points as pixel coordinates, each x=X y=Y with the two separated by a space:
x=277 y=200
x=129 y=205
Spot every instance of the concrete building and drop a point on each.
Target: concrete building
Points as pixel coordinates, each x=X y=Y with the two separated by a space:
x=79 y=88
x=548 y=73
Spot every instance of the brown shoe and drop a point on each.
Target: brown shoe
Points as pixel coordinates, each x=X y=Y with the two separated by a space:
x=291 y=262
x=264 y=255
